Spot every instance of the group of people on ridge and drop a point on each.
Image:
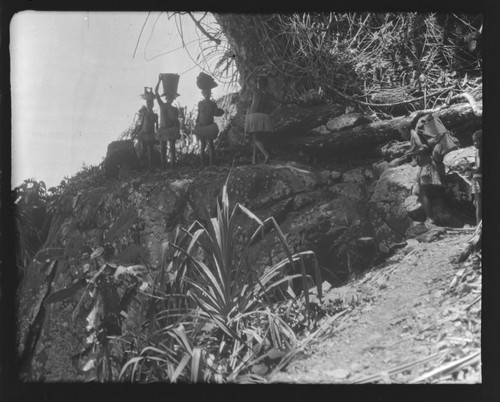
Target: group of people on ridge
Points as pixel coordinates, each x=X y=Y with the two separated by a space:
x=166 y=129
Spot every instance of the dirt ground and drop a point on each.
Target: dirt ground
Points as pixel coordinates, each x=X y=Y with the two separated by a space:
x=417 y=319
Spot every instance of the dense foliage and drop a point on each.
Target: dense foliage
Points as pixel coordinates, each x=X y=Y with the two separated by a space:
x=213 y=317
x=31 y=201
x=204 y=314
x=376 y=60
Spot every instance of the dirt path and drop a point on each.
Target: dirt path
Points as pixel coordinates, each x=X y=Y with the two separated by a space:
x=419 y=306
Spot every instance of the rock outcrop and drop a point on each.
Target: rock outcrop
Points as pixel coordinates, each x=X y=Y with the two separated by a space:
x=120 y=157
x=350 y=218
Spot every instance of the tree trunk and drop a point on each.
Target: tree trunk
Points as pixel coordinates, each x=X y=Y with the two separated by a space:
x=369 y=136
x=293 y=121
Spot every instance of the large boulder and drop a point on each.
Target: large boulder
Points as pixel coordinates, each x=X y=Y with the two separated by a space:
x=459 y=165
x=460 y=160
x=395 y=206
x=393 y=149
x=388 y=211
x=120 y=157
x=329 y=220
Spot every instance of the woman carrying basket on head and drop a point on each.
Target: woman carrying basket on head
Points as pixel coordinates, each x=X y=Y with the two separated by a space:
x=206 y=129
x=169 y=130
x=148 y=125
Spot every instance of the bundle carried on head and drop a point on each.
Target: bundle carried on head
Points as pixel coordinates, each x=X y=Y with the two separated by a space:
x=430 y=126
x=170 y=84
x=148 y=94
x=205 y=81
x=433 y=132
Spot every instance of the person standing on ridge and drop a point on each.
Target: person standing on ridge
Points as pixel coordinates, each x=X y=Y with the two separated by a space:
x=169 y=130
x=206 y=129
x=257 y=122
x=148 y=125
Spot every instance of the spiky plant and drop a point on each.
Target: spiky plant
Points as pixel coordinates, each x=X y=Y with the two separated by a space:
x=229 y=316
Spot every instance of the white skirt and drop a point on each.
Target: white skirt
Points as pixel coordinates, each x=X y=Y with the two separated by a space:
x=258 y=122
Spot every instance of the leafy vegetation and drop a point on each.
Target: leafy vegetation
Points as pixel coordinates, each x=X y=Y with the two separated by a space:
x=30 y=200
x=384 y=62
x=186 y=146
x=216 y=318
x=205 y=315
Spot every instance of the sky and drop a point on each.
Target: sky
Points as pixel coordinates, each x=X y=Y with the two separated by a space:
x=76 y=85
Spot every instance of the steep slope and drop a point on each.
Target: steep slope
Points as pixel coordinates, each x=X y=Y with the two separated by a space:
x=420 y=312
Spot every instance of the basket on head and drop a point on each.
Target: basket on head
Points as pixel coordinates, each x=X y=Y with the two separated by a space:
x=205 y=82
x=170 y=83
x=148 y=94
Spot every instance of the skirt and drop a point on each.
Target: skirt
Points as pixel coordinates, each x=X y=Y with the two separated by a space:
x=146 y=135
x=258 y=122
x=166 y=134
x=208 y=132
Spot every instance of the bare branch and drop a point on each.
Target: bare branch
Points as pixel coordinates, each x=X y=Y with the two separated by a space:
x=200 y=27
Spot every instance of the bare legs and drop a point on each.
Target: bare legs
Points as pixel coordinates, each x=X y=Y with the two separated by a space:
x=211 y=151
x=429 y=195
x=171 y=146
x=148 y=147
x=426 y=203
x=163 y=154
x=257 y=143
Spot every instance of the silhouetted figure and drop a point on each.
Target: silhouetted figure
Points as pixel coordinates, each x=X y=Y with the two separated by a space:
x=257 y=122
x=206 y=129
x=169 y=130
x=148 y=125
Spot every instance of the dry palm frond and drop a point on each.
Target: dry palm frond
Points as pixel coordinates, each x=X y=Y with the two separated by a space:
x=352 y=55
x=399 y=369
x=450 y=368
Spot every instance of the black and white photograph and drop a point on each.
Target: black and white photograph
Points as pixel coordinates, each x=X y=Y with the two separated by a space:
x=247 y=198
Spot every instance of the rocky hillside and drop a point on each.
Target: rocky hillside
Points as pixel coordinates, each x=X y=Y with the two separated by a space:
x=415 y=319
x=352 y=213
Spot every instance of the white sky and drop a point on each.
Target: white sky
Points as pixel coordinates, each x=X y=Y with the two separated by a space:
x=75 y=84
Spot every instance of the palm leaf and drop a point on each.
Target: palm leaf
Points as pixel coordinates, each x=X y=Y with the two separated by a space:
x=66 y=293
x=180 y=367
x=49 y=254
x=196 y=365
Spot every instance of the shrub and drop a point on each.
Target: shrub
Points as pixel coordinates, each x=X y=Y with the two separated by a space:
x=216 y=323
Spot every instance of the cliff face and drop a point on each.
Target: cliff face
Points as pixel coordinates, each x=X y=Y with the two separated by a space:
x=350 y=217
